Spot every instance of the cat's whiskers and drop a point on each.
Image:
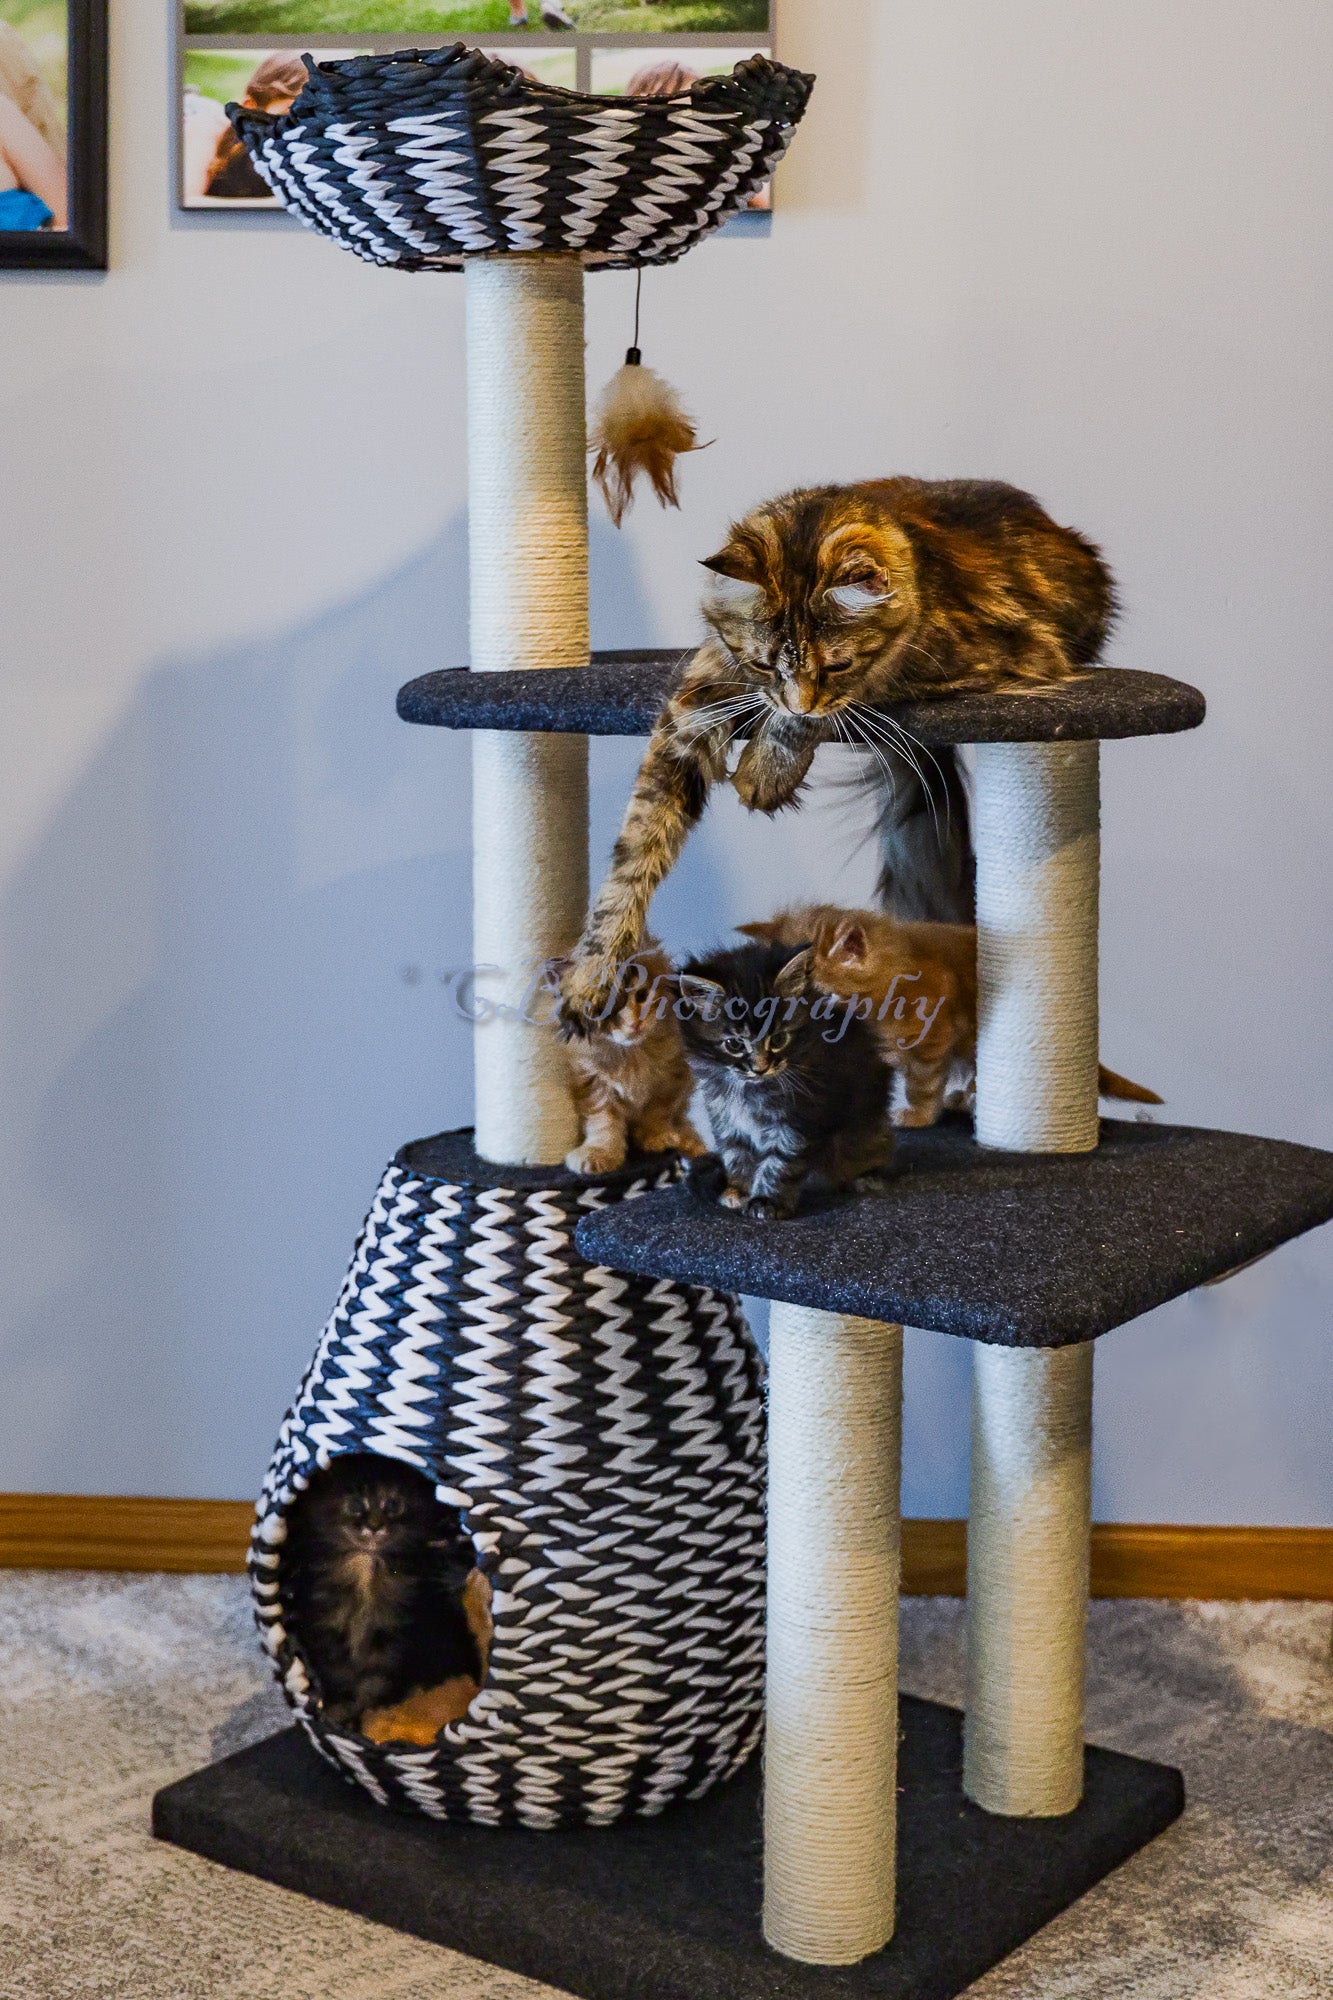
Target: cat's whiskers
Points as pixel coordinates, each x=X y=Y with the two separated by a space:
x=894 y=737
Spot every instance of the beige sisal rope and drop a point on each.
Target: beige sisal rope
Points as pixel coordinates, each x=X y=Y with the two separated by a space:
x=1037 y=862
x=1028 y=1533
x=528 y=548
x=1027 y=1577
x=831 y=1741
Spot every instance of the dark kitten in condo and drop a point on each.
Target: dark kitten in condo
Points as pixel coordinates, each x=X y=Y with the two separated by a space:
x=794 y=1087
x=383 y=1592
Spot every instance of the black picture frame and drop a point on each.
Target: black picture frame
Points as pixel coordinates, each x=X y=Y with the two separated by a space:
x=83 y=245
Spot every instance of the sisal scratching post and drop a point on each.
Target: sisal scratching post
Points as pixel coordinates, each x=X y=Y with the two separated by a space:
x=1029 y=1525
x=831 y=1728
x=528 y=551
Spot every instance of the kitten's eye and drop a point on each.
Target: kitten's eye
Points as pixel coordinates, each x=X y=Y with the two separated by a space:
x=734 y=1045
x=837 y=666
x=780 y=1041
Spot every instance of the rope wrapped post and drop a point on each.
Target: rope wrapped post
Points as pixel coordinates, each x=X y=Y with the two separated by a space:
x=528 y=553
x=831 y=1728
x=1037 y=840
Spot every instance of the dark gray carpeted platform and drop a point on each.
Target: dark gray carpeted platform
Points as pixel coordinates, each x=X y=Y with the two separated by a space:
x=1024 y=1250
x=620 y=694
x=668 y=1909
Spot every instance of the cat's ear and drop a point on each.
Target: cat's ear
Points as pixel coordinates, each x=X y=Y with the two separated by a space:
x=849 y=946
x=736 y=560
x=795 y=974
x=705 y=994
x=763 y=931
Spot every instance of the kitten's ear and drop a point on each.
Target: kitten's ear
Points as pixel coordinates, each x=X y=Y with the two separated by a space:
x=764 y=931
x=795 y=974
x=849 y=946
x=736 y=560
x=701 y=993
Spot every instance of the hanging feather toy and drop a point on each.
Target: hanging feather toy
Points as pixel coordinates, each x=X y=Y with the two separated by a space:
x=640 y=425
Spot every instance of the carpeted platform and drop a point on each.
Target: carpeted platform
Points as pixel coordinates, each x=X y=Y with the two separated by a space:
x=620 y=694
x=668 y=1908
x=111 y=1687
x=1019 y=1249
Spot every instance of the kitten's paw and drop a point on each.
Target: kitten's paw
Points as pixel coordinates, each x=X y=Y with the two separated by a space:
x=706 y=1177
x=912 y=1118
x=682 y=1139
x=594 y=1159
x=763 y=1208
x=873 y=1184
x=733 y=1197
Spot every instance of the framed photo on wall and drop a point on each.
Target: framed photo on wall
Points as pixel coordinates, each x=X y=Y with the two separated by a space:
x=249 y=51
x=53 y=135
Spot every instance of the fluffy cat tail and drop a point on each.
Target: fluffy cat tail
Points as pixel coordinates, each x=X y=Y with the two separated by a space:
x=927 y=866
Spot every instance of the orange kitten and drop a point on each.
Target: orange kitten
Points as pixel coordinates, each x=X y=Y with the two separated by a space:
x=921 y=982
x=632 y=1084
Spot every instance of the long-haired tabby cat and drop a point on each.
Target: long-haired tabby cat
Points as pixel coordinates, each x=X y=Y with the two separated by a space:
x=920 y=981
x=381 y=1586
x=792 y=1091
x=829 y=603
x=632 y=1084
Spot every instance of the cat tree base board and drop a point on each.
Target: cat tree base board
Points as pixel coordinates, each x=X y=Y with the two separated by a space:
x=668 y=1908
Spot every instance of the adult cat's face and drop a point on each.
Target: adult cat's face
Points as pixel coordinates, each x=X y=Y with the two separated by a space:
x=813 y=602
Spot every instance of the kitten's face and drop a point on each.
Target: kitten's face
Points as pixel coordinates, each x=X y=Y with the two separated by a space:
x=812 y=605
x=650 y=990
x=365 y=1505
x=752 y=1018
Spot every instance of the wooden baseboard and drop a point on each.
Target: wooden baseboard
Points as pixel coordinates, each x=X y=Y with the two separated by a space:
x=82 y=1531
x=1132 y=1560
x=78 y=1531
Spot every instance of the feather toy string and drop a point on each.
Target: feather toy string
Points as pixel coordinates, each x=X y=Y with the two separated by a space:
x=640 y=425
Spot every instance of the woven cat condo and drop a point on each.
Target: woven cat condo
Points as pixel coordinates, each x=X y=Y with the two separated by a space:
x=601 y=1436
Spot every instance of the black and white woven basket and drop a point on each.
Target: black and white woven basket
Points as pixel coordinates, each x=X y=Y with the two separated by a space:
x=603 y=1439
x=420 y=159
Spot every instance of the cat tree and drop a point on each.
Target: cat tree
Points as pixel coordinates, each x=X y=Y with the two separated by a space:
x=1031 y=1240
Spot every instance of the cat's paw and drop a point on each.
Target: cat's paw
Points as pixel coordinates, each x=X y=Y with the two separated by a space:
x=588 y=1159
x=764 y=1208
x=873 y=1184
x=733 y=1197
x=682 y=1139
x=586 y=989
x=913 y=1118
x=761 y=786
x=706 y=1177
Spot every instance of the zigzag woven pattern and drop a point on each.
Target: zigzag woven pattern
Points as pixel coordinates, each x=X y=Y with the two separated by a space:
x=420 y=159
x=603 y=1437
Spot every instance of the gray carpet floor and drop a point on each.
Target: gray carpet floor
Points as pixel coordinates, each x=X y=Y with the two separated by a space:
x=110 y=1686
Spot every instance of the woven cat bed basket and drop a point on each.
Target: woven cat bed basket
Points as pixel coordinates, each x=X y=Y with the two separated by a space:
x=603 y=1439
x=419 y=159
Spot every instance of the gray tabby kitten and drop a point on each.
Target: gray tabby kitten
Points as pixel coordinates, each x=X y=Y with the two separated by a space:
x=794 y=1087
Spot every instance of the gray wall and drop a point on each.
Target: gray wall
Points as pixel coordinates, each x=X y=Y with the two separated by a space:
x=1085 y=248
